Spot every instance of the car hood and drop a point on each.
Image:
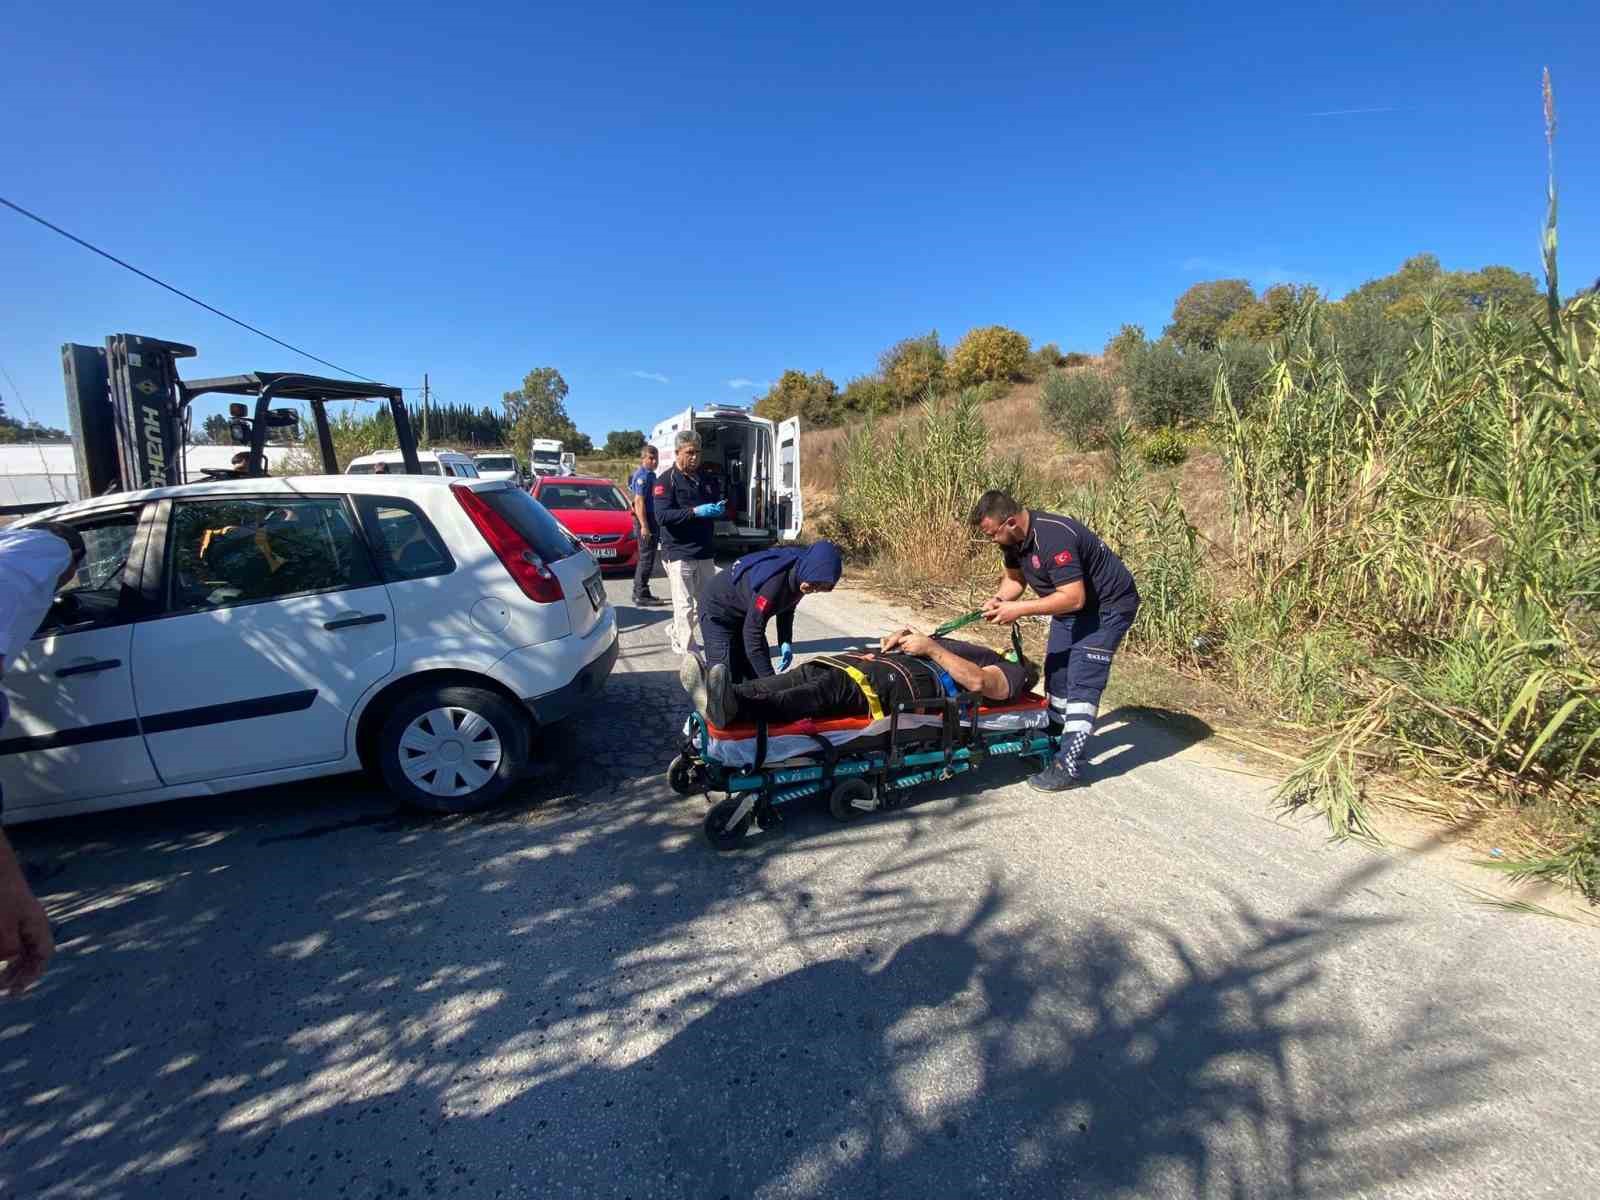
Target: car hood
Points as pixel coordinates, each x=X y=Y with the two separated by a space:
x=587 y=520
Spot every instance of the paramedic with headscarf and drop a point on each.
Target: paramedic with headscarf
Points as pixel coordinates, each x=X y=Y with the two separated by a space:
x=34 y=564
x=737 y=604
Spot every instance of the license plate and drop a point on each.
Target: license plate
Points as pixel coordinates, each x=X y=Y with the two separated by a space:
x=604 y=552
x=596 y=590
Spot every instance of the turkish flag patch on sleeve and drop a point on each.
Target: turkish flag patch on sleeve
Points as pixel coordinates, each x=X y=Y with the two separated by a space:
x=661 y=489
x=1063 y=558
x=761 y=604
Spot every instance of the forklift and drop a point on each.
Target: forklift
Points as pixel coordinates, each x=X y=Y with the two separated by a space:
x=129 y=413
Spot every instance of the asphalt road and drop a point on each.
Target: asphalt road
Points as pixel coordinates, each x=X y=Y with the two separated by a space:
x=1150 y=988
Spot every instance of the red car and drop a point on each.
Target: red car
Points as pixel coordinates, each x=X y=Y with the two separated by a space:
x=596 y=512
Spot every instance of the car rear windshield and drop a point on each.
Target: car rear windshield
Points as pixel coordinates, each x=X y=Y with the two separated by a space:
x=595 y=497
x=497 y=464
x=528 y=517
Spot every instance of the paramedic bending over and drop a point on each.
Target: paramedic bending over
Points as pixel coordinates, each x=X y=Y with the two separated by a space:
x=1090 y=599
x=736 y=605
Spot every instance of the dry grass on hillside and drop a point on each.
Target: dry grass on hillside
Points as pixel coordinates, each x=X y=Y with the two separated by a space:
x=1017 y=429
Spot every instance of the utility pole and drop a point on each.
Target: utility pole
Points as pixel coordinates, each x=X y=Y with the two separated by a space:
x=425 y=407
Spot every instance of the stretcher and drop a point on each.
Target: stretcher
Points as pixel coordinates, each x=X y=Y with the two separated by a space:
x=860 y=764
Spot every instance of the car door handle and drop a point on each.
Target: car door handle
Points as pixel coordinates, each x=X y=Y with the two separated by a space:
x=357 y=619
x=88 y=668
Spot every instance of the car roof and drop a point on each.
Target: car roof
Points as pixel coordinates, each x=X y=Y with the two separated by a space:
x=272 y=485
x=563 y=479
x=388 y=456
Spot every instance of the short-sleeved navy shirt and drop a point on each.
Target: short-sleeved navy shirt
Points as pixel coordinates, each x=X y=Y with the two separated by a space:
x=643 y=483
x=1059 y=551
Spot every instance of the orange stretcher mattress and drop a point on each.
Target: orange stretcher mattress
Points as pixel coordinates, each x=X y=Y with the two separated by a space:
x=736 y=745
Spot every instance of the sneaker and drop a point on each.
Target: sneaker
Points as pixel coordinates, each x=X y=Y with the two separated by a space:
x=648 y=601
x=722 y=706
x=1056 y=778
x=692 y=675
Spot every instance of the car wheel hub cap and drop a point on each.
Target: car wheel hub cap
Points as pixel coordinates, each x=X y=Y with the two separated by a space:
x=450 y=752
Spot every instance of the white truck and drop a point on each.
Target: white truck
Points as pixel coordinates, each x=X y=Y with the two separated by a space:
x=756 y=466
x=544 y=456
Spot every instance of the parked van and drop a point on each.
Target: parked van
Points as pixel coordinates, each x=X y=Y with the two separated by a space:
x=501 y=466
x=755 y=465
x=433 y=462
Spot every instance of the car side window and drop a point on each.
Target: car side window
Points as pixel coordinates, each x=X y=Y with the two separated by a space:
x=95 y=595
x=405 y=541
x=248 y=549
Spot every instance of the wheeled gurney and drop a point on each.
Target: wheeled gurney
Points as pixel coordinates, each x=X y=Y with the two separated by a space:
x=861 y=764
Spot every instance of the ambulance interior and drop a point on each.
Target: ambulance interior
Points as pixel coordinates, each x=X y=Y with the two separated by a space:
x=737 y=455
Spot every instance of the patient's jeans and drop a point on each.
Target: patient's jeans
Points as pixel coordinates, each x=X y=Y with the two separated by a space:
x=811 y=690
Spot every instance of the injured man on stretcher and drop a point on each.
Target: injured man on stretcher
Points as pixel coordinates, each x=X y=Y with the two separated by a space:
x=907 y=667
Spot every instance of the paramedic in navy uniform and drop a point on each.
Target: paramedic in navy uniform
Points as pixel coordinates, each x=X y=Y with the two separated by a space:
x=686 y=515
x=642 y=487
x=1091 y=600
x=736 y=605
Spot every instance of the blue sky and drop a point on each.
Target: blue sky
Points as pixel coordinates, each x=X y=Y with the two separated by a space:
x=660 y=202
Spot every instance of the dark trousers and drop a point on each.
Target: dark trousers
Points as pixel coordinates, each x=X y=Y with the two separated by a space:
x=722 y=644
x=807 y=691
x=647 y=565
x=1077 y=665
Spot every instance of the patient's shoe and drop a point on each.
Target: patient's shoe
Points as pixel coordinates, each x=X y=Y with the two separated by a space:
x=693 y=677
x=1056 y=778
x=722 y=706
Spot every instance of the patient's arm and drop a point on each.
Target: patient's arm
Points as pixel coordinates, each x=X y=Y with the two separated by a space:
x=969 y=676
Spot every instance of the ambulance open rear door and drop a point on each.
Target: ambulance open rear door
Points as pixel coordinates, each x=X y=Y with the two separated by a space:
x=791 y=509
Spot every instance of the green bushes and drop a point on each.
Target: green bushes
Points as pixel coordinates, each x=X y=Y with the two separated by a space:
x=813 y=398
x=913 y=367
x=1078 y=404
x=990 y=353
x=1164 y=448
x=867 y=396
x=1169 y=386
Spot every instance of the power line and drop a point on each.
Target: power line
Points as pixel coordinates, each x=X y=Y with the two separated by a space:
x=72 y=237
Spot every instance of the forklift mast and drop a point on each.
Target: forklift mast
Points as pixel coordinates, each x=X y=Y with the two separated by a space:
x=128 y=411
x=125 y=411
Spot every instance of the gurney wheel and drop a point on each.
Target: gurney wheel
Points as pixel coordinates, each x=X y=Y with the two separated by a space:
x=843 y=802
x=718 y=830
x=680 y=775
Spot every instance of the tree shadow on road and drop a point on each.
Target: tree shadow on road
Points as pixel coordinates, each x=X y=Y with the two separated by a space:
x=299 y=993
x=1000 y=1058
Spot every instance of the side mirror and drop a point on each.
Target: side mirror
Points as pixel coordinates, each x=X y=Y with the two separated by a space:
x=63 y=610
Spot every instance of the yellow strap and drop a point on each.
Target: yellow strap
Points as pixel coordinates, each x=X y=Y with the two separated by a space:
x=874 y=705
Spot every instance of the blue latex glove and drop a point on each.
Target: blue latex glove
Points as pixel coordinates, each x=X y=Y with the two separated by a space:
x=710 y=510
x=785 y=657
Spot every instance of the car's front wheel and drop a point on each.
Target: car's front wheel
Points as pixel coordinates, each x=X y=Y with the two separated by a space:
x=452 y=749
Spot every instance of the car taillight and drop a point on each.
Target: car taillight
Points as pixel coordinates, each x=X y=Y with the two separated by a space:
x=537 y=581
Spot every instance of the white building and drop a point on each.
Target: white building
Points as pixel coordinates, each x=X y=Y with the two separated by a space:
x=34 y=474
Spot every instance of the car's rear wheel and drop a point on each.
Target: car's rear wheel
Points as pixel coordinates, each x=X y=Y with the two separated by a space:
x=452 y=749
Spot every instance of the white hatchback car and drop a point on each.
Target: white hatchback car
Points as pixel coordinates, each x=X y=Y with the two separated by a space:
x=432 y=462
x=258 y=631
